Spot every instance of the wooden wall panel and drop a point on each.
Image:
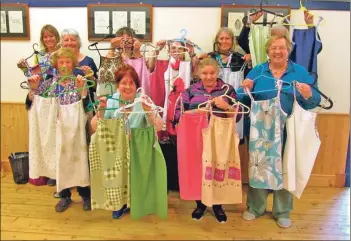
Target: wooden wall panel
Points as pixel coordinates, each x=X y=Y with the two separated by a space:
x=14 y=129
x=329 y=168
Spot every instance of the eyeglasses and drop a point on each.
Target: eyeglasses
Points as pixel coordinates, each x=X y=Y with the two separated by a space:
x=280 y=48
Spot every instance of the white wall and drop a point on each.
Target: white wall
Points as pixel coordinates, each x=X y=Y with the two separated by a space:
x=201 y=24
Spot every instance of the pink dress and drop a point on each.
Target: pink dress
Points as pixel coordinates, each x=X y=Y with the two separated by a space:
x=143 y=72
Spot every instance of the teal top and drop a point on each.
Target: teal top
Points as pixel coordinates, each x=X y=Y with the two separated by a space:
x=294 y=72
x=136 y=120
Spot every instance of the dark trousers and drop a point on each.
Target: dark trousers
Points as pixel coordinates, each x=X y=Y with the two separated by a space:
x=199 y=204
x=84 y=192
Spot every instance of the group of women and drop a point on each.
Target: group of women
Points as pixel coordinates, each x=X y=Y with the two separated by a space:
x=120 y=131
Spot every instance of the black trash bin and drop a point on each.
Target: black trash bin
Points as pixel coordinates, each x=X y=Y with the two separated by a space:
x=20 y=167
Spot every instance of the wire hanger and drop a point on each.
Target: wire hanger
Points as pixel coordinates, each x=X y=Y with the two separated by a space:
x=143 y=98
x=226 y=96
x=63 y=78
x=110 y=35
x=92 y=105
x=303 y=9
x=327 y=100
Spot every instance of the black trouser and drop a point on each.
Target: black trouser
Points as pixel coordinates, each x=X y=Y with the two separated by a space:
x=203 y=206
x=84 y=192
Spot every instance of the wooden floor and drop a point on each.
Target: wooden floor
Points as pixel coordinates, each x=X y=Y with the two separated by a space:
x=27 y=212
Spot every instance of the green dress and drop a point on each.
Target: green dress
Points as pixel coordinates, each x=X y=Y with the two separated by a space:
x=148 y=175
x=257 y=41
x=109 y=157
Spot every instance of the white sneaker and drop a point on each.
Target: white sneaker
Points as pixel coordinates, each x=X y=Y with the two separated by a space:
x=284 y=222
x=248 y=216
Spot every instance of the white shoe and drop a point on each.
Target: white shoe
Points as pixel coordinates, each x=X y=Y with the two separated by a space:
x=248 y=216
x=284 y=222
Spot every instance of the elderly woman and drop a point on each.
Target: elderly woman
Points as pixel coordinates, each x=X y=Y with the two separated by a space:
x=64 y=60
x=86 y=65
x=208 y=87
x=127 y=83
x=264 y=175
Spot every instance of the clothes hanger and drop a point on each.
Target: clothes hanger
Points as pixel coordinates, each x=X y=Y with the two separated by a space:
x=303 y=9
x=182 y=39
x=110 y=35
x=288 y=85
x=226 y=96
x=72 y=78
x=143 y=98
x=265 y=11
x=327 y=100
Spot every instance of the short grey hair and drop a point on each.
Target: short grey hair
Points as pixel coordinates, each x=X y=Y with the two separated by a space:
x=73 y=32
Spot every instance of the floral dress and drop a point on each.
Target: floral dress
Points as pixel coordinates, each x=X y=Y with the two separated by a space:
x=265 y=145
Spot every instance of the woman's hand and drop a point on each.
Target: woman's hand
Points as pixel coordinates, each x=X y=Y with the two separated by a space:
x=203 y=56
x=308 y=18
x=88 y=72
x=80 y=81
x=220 y=103
x=116 y=42
x=136 y=44
x=256 y=16
x=305 y=90
x=103 y=102
x=247 y=57
x=21 y=64
x=34 y=81
x=160 y=44
x=247 y=83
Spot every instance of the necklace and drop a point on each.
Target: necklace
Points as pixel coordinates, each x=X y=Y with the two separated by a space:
x=277 y=71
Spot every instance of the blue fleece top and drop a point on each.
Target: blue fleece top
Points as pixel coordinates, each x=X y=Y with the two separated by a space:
x=262 y=78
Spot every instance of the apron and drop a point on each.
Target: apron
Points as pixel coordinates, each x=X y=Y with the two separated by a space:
x=42 y=137
x=144 y=74
x=258 y=37
x=172 y=75
x=109 y=157
x=157 y=82
x=106 y=75
x=221 y=172
x=148 y=177
x=306 y=48
x=301 y=149
x=234 y=79
x=72 y=168
x=265 y=144
x=189 y=152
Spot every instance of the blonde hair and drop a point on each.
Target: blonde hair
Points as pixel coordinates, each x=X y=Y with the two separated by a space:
x=230 y=33
x=51 y=29
x=63 y=52
x=274 y=38
x=207 y=62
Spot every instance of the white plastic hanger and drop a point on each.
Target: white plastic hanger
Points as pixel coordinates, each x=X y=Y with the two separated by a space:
x=229 y=97
x=143 y=98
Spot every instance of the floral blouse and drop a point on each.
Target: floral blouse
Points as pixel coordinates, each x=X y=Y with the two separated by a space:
x=70 y=97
